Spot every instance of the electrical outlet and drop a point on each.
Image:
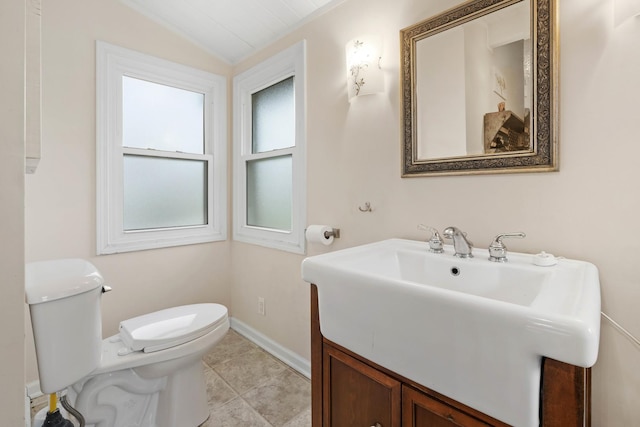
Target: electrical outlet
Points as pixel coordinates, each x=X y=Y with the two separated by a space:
x=261 y=306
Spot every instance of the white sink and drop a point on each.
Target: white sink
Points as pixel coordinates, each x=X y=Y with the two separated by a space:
x=471 y=329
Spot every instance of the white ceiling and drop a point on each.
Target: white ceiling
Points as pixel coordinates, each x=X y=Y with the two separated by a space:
x=232 y=29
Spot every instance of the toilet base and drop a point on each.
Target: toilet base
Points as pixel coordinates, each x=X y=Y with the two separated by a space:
x=125 y=398
x=41 y=415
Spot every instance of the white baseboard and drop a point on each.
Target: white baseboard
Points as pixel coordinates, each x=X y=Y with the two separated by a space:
x=295 y=361
x=27 y=409
x=33 y=390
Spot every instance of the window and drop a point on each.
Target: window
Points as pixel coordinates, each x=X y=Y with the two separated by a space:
x=269 y=146
x=161 y=157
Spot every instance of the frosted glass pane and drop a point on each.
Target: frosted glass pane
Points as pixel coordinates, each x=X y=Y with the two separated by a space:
x=273 y=112
x=161 y=117
x=269 y=193
x=161 y=192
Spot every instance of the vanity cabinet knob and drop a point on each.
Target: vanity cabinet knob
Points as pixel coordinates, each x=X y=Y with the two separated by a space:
x=377 y=425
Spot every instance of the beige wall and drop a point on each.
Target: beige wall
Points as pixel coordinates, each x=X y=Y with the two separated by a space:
x=587 y=211
x=12 y=366
x=61 y=196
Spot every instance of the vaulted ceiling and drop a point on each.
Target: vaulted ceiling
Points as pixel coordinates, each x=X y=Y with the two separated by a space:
x=232 y=29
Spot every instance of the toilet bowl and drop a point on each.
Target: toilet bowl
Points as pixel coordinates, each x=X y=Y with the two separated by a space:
x=150 y=374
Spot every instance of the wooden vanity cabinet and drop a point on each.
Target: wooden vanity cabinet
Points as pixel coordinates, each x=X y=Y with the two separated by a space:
x=346 y=381
x=350 y=391
x=421 y=410
x=356 y=394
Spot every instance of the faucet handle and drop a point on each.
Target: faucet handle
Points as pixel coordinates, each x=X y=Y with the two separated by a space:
x=497 y=249
x=435 y=242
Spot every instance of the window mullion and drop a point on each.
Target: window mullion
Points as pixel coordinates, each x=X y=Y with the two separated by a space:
x=268 y=154
x=165 y=154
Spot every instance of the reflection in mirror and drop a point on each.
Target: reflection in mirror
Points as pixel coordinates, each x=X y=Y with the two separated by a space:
x=470 y=94
x=483 y=73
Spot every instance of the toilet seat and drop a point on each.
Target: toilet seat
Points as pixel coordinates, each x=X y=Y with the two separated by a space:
x=170 y=327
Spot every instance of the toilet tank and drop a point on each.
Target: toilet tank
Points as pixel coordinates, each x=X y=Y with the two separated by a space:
x=64 y=302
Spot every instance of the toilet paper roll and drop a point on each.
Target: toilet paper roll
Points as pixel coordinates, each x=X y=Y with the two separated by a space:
x=316 y=234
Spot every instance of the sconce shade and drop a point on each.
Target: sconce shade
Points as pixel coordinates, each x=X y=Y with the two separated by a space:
x=364 y=73
x=625 y=9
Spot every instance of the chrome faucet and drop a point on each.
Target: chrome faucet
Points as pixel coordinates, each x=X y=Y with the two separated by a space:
x=497 y=249
x=435 y=242
x=461 y=246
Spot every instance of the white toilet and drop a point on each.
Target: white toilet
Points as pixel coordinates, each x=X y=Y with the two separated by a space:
x=148 y=375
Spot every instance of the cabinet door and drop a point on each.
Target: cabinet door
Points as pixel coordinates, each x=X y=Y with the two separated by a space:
x=357 y=395
x=421 y=410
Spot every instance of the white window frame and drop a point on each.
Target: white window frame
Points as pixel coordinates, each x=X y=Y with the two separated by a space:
x=290 y=62
x=112 y=63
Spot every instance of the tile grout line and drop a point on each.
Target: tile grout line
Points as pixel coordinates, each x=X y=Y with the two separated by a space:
x=284 y=368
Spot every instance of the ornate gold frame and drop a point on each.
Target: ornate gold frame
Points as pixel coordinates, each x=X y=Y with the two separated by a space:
x=544 y=154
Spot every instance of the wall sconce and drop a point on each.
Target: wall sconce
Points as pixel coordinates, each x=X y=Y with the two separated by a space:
x=625 y=9
x=364 y=73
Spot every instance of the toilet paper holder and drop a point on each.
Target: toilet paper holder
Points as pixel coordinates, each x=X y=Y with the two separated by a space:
x=334 y=232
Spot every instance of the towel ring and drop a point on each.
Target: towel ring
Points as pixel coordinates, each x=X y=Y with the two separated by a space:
x=365 y=208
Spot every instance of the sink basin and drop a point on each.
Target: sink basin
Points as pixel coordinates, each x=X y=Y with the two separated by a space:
x=471 y=329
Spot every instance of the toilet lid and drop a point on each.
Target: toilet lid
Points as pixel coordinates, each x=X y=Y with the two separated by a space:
x=171 y=327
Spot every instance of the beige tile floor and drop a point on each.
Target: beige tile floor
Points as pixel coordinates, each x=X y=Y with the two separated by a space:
x=247 y=387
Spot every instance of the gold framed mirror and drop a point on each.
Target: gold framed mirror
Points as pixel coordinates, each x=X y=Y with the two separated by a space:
x=480 y=89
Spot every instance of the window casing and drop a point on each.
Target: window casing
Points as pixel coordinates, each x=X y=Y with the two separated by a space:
x=161 y=183
x=269 y=180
